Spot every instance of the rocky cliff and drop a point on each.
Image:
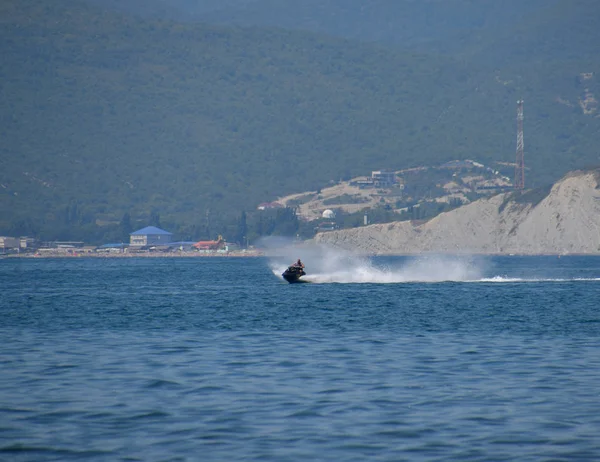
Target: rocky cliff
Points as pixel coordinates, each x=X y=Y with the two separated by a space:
x=566 y=220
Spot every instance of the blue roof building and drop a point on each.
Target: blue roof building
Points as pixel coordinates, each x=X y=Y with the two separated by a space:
x=150 y=235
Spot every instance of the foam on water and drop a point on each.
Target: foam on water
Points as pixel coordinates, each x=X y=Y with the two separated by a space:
x=505 y=279
x=326 y=265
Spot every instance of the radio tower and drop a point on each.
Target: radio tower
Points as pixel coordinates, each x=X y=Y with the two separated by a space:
x=520 y=162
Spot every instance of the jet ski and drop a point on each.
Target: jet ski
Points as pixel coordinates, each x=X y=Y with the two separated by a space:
x=293 y=274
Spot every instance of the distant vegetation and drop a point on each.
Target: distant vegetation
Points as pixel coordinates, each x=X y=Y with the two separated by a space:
x=429 y=24
x=301 y=200
x=345 y=199
x=111 y=121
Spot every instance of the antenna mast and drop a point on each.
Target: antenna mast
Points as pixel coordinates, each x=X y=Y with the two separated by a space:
x=520 y=162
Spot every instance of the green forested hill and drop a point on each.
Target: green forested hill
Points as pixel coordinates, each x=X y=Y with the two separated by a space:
x=104 y=114
x=404 y=23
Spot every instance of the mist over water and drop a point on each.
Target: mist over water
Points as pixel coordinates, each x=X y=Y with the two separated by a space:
x=328 y=265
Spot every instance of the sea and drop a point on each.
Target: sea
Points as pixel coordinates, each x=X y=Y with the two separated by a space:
x=423 y=358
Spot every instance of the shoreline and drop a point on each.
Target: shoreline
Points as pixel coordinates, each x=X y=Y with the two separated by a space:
x=135 y=255
x=258 y=253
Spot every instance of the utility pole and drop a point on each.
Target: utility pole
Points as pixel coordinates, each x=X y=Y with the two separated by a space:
x=208 y=223
x=520 y=161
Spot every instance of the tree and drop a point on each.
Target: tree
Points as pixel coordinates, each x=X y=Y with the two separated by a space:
x=286 y=222
x=242 y=230
x=154 y=219
x=125 y=226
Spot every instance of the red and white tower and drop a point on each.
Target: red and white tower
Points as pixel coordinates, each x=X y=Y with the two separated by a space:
x=520 y=162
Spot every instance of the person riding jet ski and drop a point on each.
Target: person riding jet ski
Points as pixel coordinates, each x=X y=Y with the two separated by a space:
x=294 y=272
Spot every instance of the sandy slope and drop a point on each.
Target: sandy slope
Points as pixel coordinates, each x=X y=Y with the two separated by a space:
x=566 y=221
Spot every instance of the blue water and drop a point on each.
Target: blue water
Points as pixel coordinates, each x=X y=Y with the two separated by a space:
x=218 y=359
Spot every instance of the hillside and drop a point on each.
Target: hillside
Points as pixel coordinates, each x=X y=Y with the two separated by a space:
x=404 y=23
x=181 y=10
x=564 y=220
x=423 y=191
x=106 y=114
x=121 y=114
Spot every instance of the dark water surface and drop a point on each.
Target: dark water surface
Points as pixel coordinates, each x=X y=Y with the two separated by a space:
x=217 y=359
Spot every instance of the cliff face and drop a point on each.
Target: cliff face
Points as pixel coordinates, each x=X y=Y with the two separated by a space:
x=567 y=220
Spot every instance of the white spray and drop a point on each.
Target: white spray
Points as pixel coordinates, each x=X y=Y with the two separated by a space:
x=328 y=265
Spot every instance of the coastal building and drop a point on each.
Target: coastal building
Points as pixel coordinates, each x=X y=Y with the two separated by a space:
x=365 y=183
x=117 y=247
x=383 y=179
x=378 y=179
x=9 y=242
x=67 y=244
x=205 y=246
x=28 y=243
x=150 y=235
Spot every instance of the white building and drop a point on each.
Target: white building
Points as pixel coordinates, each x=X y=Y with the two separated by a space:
x=27 y=242
x=9 y=242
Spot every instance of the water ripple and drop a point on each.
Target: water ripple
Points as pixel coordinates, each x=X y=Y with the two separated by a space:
x=179 y=360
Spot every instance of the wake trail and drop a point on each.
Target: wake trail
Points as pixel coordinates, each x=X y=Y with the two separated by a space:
x=326 y=266
x=505 y=279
